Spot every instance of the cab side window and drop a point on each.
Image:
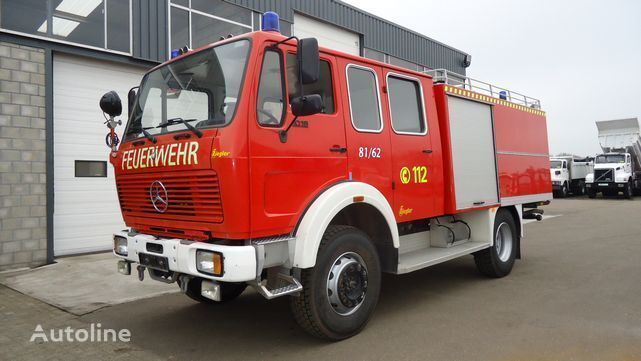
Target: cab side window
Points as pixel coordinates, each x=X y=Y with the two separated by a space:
x=271 y=92
x=406 y=105
x=364 y=102
x=322 y=87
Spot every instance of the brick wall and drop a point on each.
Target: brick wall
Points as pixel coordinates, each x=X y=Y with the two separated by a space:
x=23 y=198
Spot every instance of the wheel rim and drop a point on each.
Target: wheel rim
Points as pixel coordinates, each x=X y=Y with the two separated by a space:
x=503 y=242
x=347 y=283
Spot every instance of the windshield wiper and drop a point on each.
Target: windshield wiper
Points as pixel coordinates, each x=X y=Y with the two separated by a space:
x=174 y=121
x=148 y=135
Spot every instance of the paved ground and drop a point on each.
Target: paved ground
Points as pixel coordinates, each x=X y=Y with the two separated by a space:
x=576 y=295
x=76 y=275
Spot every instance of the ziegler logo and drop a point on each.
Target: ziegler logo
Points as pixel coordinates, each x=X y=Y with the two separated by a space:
x=160 y=156
x=219 y=153
x=159 y=197
x=405 y=211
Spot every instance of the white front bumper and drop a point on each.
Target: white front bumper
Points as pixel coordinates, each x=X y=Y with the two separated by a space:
x=239 y=261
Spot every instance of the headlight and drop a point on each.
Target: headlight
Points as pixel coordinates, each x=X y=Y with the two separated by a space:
x=209 y=262
x=120 y=246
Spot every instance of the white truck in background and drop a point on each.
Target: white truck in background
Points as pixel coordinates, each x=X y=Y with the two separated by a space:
x=618 y=169
x=568 y=174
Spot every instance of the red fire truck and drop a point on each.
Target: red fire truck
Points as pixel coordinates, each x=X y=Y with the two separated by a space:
x=263 y=160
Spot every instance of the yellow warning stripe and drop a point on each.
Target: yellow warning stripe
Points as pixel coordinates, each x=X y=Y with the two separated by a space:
x=489 y=99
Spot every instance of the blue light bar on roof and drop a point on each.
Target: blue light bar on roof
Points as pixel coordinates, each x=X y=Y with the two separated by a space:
x=270 y=22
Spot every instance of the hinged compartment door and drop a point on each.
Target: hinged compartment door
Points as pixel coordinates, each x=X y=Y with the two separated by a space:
x=473 y=153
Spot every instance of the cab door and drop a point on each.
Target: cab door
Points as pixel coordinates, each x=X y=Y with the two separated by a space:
x=412 y=152
x=286 y=175
x=368 y=142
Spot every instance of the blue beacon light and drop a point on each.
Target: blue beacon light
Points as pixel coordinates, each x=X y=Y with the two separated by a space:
x=270 y=22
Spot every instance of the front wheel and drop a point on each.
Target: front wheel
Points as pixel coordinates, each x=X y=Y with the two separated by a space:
x=564 y=191
x=341 y=291
x=498 y=260
x=627 y=192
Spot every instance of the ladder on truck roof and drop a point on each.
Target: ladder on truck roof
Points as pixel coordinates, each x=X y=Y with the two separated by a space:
x=464 y=82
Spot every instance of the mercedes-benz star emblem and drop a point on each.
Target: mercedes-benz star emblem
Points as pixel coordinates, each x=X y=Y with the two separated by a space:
x=158 y=196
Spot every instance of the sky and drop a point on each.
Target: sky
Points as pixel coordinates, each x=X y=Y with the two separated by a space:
x=582 y=59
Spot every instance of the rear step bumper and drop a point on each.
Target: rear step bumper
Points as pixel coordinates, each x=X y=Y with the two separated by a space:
x=239 y=262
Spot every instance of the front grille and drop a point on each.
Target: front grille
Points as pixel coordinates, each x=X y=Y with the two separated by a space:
x=192 y=196
x=604 y=175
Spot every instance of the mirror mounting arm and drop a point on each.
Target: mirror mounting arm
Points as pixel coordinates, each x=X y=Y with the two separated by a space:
x=283 y=133
x=283 y=41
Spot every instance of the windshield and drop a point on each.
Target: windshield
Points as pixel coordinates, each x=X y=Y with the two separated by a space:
x=556 y=164
x=202 y=89
x=610 y=158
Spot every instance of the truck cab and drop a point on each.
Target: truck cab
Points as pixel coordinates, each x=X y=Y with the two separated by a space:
x=560 y=175
x=613 y=173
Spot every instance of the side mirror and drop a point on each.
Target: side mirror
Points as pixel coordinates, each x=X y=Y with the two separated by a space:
x=307 y=105
x=110 y=103
x=308 y=60
x=131 y=100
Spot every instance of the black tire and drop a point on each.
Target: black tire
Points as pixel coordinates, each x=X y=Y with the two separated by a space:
x=628 y=192
x=498 y=261
x=228 y=291
x=591 y=194
x=313 y=309
x=564 y=191
x=579 y=190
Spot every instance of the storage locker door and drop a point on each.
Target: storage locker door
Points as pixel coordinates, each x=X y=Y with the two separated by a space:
x=473 y=153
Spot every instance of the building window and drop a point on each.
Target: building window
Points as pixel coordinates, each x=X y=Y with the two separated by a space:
x=271 y=92
x=98 y=24
x=406 y=105
x=323 y=87
x=374 y=54
x=364 y=102
x=91 y=169
x=195 y=23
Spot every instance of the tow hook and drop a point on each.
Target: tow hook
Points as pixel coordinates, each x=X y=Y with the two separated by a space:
x=141 y=273
x=183 y=282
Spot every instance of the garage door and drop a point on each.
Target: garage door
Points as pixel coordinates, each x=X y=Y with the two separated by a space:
x=328 y=35
x=86 y=210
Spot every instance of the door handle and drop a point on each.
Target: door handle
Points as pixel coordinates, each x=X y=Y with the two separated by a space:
x=428 y=151
x=338 y=149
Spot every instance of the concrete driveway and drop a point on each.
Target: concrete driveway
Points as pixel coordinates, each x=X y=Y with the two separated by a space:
x=576 y=295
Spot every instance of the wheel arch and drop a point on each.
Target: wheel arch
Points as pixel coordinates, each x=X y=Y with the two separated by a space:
x=348 y=203
x=517 y=214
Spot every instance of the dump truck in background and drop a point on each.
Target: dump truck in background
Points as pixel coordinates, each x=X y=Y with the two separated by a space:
x=618 y=169
x=568 y=174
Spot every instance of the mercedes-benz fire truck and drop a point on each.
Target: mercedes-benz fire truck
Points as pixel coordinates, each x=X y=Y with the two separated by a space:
x=263 y=160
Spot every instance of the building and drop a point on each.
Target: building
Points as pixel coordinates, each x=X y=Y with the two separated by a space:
x=57 y=57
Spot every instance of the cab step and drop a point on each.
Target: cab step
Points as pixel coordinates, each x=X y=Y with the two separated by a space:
x=287 y=286
x=425 y=257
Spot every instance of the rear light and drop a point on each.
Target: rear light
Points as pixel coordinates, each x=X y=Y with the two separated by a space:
x=209 y=262
x=120 y=246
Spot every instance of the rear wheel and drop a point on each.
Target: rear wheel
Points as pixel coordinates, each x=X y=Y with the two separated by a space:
x=228 y=291
x=498 y=260
x=579 y=190
x=341 y=291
